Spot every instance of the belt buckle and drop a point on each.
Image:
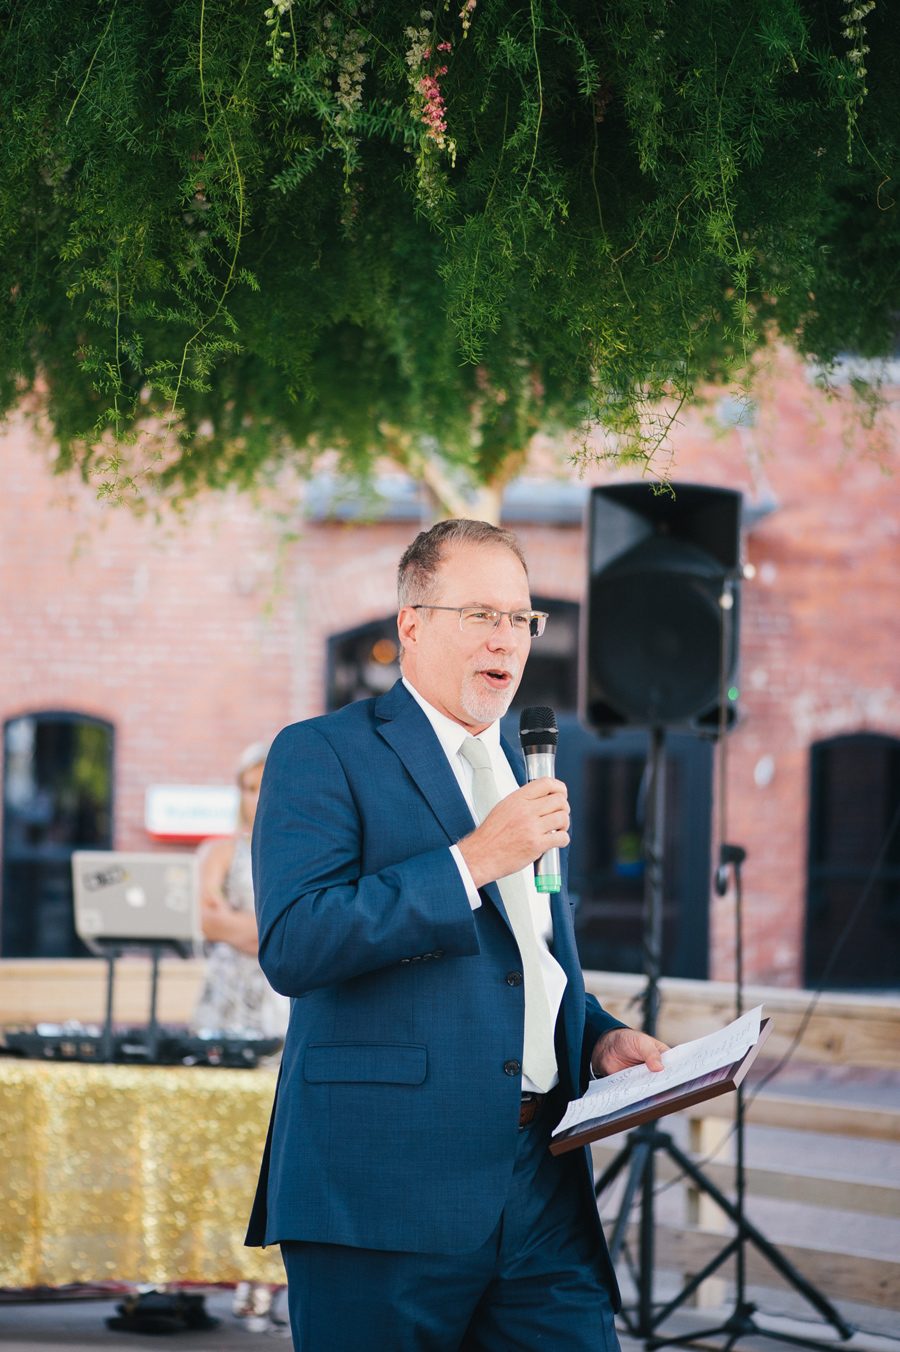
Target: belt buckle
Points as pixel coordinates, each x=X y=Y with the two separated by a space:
x=528 y=1108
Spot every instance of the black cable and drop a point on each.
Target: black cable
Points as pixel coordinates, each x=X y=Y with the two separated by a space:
x=835 y=953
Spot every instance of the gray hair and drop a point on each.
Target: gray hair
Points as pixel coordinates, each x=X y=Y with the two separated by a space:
x=254 y=754
x=417 y=572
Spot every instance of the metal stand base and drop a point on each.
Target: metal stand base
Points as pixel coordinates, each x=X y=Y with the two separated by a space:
x=638 y=1155
x=739 y=1324
x=640 y=1149
x=111 y=952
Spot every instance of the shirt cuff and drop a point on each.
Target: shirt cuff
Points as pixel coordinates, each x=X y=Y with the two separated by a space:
x=468 y=883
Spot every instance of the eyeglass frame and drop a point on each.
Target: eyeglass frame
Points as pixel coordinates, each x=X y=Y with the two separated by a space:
x=534 y=616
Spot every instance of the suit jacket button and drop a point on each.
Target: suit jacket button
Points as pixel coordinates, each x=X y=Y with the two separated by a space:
x=512 y=1068
x=513 y=978
x=417 y=957
x=438 y=953
x=404 y=962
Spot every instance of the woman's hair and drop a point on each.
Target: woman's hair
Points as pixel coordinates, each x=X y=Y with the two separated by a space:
x=254 y=754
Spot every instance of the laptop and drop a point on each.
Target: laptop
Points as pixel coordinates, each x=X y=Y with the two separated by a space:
x=138 y=898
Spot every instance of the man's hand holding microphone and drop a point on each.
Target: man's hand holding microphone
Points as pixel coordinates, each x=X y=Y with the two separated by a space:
x=517 y=831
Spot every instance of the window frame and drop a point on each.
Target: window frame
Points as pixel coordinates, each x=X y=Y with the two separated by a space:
x=820 y=873
x=62 y=853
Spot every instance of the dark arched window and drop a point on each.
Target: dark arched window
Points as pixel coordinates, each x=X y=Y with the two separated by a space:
x=363 y=662
x=855 y=794
x=57 y=797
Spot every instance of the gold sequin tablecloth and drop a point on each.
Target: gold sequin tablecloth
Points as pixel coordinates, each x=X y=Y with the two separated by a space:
x=138 y=1173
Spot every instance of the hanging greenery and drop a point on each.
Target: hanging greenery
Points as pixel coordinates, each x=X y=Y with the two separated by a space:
x=233 y=235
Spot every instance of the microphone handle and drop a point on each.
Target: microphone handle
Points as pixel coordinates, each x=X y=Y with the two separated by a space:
x=540 y=763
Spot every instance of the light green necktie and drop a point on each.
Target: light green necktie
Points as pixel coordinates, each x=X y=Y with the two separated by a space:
x=538 y=1054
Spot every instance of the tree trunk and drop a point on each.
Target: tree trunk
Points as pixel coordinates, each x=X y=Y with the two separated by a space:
x=446 y=496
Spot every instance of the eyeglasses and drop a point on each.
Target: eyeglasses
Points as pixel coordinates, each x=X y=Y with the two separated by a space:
x=476 y=619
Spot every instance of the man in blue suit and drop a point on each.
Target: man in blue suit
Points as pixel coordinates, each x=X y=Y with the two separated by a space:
x=439 y=1021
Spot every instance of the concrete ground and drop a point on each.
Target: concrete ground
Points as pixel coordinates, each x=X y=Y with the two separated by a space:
x=79 y=1326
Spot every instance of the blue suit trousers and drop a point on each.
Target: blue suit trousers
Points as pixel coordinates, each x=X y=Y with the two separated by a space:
x=538 y=1282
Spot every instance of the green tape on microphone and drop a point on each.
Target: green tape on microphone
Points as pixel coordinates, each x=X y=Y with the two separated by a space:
x=548 y=882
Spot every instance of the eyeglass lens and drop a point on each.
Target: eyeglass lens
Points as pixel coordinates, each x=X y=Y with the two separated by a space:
x=522 y=622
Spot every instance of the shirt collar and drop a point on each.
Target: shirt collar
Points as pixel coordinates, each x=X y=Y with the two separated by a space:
x=449 y=733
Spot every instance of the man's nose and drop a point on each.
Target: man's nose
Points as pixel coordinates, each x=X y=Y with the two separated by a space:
x=503 y=635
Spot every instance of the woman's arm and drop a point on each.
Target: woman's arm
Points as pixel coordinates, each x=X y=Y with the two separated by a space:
x=220 y=922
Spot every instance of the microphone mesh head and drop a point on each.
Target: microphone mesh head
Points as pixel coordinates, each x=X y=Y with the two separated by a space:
x=538 y=727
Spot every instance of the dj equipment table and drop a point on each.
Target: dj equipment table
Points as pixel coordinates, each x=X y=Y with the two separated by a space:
x=141 y=1173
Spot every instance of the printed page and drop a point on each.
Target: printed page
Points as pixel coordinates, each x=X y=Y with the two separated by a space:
x=683 y=1063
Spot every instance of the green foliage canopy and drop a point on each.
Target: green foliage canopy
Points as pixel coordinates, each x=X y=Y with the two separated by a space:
x=259 y=231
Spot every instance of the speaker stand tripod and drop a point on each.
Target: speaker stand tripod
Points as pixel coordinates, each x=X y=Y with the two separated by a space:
x=639 y=1153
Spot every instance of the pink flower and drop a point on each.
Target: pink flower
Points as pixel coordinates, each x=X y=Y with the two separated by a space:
x=433 y=112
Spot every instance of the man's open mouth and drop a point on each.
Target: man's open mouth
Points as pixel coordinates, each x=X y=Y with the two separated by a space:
x=496 y=679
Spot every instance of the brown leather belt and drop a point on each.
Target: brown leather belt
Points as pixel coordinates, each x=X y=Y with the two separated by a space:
x=531 y=1106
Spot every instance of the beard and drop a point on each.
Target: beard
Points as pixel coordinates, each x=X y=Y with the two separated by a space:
x=483 y=704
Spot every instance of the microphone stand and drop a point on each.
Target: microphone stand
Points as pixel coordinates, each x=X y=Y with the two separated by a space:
x=638 y=1154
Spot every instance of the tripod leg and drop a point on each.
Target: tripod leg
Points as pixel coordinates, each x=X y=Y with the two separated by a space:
x=612 y=1171
x=153 y=1027
x=108 y=1026
x=688 y=1290
x=645 y=1294
x=749 y=1231
x=635 y=1174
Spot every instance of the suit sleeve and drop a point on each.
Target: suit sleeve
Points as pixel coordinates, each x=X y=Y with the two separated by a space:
x=319 y=921
x=596 y=1023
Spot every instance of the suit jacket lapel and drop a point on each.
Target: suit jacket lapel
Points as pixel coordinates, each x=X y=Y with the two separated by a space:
x=408 y=732
x=516 y=761
x=565 y=950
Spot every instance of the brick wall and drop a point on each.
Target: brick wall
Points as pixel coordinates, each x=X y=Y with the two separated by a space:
x=163 y=629
x=197 y=636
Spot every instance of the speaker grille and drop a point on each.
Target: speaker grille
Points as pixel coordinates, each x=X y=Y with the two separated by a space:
x=654 y=647
x=538 y=726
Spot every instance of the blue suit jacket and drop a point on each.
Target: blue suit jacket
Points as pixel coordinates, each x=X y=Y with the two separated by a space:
x=395 y=1123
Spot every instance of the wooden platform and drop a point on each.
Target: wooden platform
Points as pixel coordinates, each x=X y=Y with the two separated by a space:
x=844 y=1029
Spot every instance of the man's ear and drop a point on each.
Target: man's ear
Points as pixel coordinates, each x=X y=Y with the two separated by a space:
x=408 y=628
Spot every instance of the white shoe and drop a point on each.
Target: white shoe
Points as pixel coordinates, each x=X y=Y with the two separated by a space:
x=240 y=1301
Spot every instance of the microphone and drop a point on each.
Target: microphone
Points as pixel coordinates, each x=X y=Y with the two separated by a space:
x=539 y=734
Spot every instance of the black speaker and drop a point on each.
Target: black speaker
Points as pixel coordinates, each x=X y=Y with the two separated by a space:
x=658 y=570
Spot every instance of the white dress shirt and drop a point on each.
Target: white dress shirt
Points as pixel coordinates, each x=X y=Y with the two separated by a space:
x=451 y=736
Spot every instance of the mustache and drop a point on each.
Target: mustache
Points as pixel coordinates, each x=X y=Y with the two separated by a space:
x=510 y=669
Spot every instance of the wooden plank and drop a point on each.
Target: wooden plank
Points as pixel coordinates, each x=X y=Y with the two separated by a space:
x=53 y=989
x=842 y=1194
x=844 y=1029
x=869 y=1281
x=820 y=1115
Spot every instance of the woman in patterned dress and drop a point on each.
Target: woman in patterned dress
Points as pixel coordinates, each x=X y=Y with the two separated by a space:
x=236 y=997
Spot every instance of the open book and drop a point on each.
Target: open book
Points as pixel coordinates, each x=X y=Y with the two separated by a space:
x=694 y=1071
